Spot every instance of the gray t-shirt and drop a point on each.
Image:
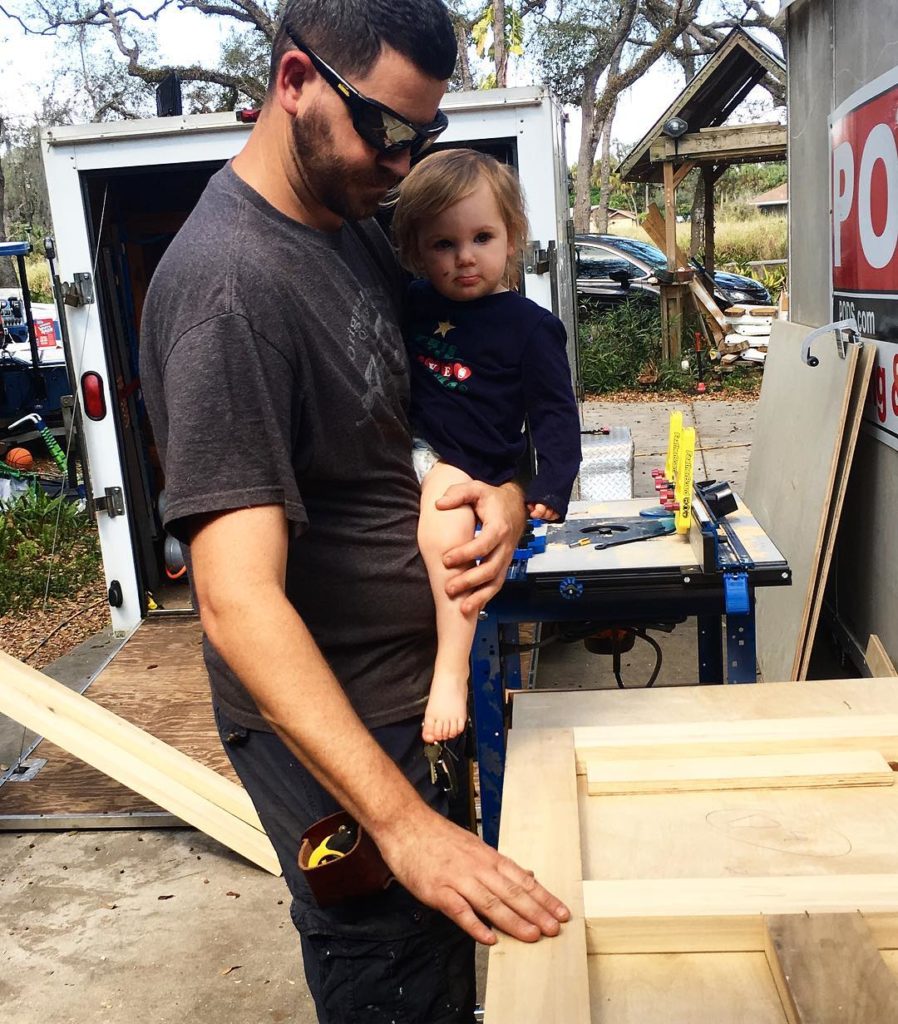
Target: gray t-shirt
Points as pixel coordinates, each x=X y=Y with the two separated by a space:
x=274 y=371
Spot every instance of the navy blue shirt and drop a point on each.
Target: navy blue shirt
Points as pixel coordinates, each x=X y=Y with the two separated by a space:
x=478 y=369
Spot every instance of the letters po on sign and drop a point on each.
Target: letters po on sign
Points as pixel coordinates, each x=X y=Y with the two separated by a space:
x=864 y=181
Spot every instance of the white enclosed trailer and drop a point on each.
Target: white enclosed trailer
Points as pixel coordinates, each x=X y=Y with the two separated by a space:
x=118 y=194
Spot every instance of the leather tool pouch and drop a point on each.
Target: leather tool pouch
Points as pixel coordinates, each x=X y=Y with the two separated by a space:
x=361 y=872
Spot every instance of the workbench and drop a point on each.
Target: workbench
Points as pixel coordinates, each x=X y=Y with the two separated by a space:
x=724 y=900
x=664 y=579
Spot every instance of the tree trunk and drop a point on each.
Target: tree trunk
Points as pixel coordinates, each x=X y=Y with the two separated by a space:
x=601 y=215
x=499 y=51
x=464 y=65
x=589 y=139
x=8 y=277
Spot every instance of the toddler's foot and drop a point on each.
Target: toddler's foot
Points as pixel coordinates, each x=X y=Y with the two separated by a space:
x=446 y=714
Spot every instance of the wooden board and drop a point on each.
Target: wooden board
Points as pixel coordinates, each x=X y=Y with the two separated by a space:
x=547 y=980
x=187 y=789
x=658 y=915
x=655 y=227
x=862 y=375
x=771 y=771
x=158 y=682
x=877 y=657
x=796 y=443
x=828 y=970
x=738 y=738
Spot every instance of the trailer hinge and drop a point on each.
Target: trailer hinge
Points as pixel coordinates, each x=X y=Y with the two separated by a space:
x=112 y=503
x=536 y=260
x=78 y=292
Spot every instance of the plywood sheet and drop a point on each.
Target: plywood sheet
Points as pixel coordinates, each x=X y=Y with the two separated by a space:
x=684 y=988
x=862 y=375
x=796 y=443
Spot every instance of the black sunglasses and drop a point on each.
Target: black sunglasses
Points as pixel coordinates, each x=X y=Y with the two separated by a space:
x=380 y=127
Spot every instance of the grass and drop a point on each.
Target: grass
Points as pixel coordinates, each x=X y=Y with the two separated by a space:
x=27 y=529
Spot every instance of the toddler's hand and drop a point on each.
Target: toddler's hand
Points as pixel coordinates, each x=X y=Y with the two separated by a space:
x=539 y=511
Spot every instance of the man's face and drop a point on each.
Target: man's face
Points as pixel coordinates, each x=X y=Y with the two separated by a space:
x=342 y=171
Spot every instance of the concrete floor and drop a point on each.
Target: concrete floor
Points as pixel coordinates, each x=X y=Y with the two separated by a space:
x=167 y=926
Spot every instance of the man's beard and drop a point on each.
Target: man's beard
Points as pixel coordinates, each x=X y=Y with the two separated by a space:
x=346 y=191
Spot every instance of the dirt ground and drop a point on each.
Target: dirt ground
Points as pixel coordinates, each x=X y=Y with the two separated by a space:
x=151 y=927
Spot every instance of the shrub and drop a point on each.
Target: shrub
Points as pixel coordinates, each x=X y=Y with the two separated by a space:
x=27 y=529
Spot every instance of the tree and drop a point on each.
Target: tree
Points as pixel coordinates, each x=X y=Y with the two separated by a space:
x=7 y=274
x=122 y=88
x=590 y=53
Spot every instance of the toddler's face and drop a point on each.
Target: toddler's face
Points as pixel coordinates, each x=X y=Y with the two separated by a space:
x=465 y=249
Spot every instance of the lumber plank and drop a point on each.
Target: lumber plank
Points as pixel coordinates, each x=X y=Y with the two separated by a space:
x=58 y=702
x=877 y=658
x=738 y=738
x=845 y=698
x=142 y=763
x=545 y=981
x=797 y=438
x=828 y=970
x=856 y=404
x=765 y=771
x=692 y=915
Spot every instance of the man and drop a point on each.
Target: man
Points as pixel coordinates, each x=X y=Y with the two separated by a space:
x=275 y=377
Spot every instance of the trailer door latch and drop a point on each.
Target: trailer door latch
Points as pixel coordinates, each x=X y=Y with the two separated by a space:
x=112 y=503
x=78 y=292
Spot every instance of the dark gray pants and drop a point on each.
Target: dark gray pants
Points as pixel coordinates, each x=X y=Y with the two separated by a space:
x=387 y=959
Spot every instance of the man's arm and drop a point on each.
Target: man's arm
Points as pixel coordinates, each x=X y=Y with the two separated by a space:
x=503 y=515
x=249 y=620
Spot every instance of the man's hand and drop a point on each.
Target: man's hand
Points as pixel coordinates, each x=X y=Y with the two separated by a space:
x=502 y=514
x=458 y=874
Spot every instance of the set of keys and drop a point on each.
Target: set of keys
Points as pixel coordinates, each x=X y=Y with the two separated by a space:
x=442 y=767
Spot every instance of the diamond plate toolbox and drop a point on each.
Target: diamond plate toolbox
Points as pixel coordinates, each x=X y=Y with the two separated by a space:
x=606 y=472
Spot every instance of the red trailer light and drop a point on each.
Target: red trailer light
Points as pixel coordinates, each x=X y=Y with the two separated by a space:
x=93 y=395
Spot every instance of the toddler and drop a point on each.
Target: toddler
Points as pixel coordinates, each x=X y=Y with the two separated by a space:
x=482 y=360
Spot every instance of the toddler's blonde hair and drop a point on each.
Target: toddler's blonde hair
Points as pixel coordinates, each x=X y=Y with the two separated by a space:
x=442 y=179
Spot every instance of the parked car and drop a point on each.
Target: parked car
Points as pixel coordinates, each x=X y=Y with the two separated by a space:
x=613 y=269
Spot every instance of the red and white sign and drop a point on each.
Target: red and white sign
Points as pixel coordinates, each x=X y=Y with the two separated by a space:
x=864 y=179
x=44 y=333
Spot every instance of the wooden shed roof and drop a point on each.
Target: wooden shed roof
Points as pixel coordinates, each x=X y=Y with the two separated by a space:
x=724 y=81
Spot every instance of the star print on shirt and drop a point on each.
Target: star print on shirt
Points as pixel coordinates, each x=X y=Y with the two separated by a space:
x=443 y=328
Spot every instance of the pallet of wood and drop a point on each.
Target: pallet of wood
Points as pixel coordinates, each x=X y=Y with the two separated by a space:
x=729 y=854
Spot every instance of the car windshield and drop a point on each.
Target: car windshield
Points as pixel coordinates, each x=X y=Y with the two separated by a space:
x=644 y=251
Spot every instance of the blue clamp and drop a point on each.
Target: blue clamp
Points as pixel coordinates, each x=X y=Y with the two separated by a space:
x=735 y=593
x=535 y=545
x=570 y=588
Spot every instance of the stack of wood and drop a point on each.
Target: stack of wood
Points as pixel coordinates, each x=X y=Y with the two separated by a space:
x=750 y=334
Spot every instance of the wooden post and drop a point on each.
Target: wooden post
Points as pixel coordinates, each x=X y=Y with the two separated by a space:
x=709 y=178
x=671 y=294
x=672 y=309
x=670 y=216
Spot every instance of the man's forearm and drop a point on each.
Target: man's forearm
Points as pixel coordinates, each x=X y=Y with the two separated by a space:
x=267 y=645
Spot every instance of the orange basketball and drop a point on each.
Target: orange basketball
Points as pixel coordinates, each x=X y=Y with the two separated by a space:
x=19 y=458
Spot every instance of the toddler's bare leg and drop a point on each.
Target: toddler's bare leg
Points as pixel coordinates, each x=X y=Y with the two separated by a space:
x=438 y=531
